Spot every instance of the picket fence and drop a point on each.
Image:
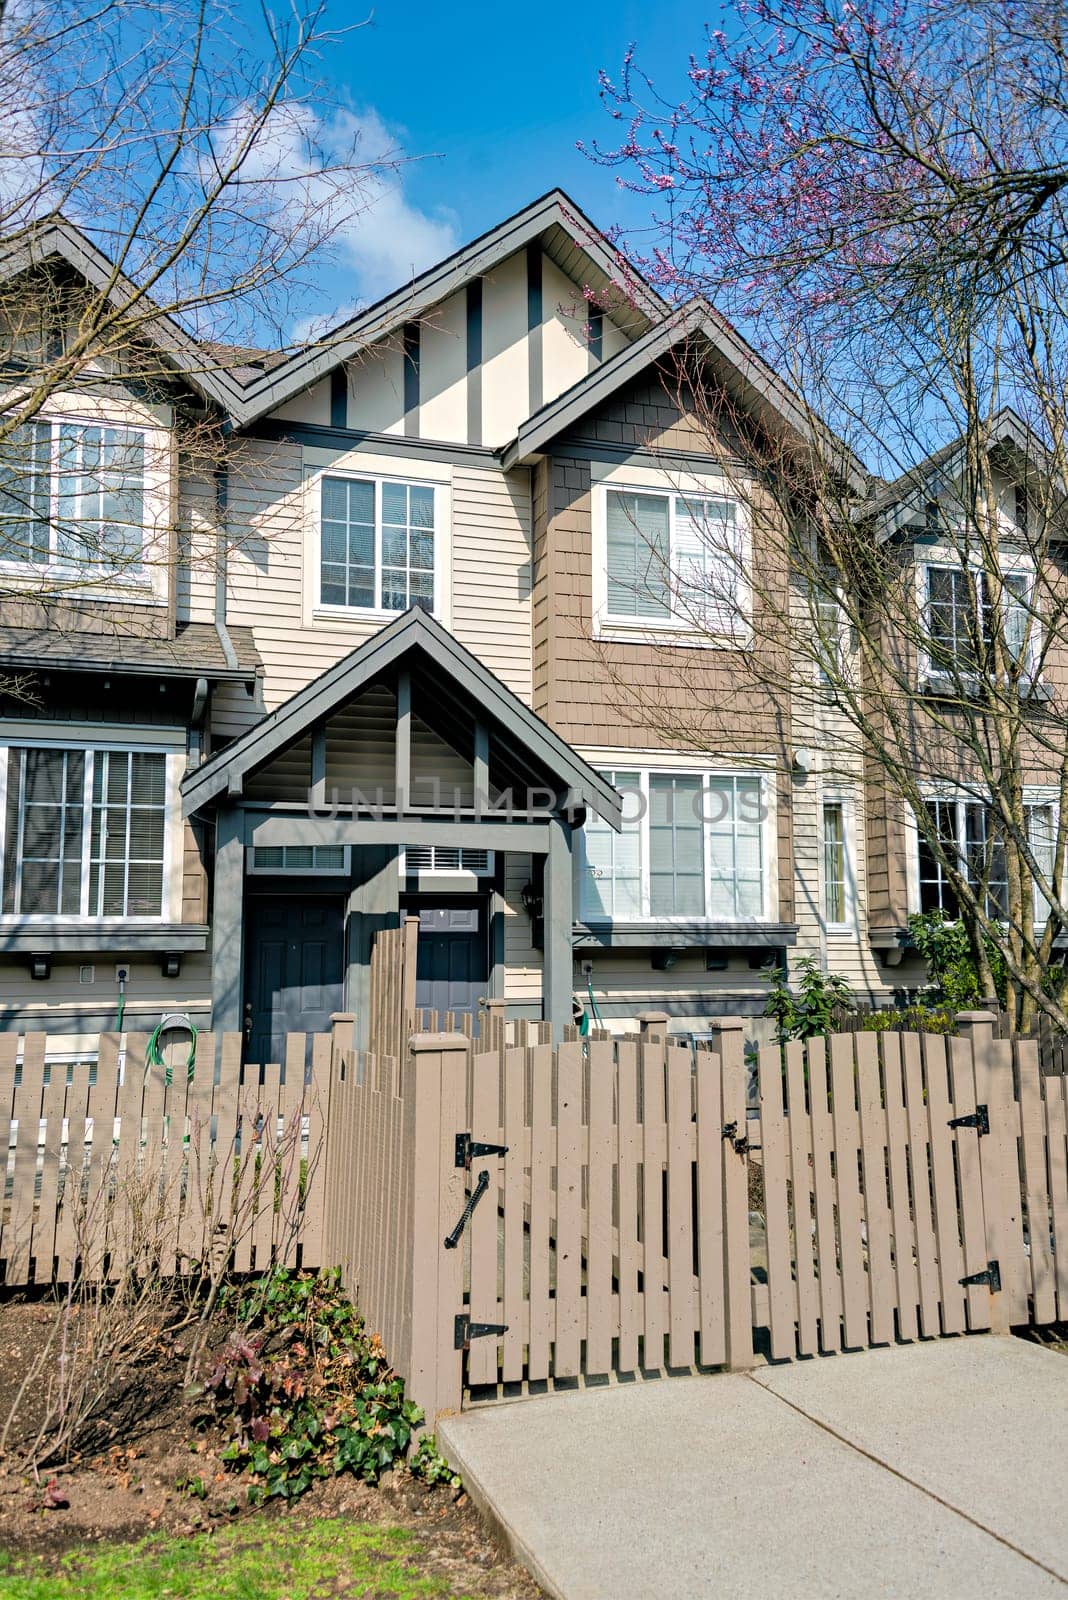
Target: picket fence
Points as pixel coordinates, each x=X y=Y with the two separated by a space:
x=516 y=1214
x=113 y=1163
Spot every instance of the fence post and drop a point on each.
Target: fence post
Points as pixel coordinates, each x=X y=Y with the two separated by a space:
x=342 y=1026
x=494 y=1015
x=728 y=1040
x=977 y=1027
x=439 y=1090
x=653 y=1025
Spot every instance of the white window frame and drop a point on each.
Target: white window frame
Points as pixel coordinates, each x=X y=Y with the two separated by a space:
x=173 y=830
x=478 y=876
x=709 y=777
x=676 y=629
x=379 y=471
x=148 y=582
x=1034 y=795
x=837 y=797
x=941 y=558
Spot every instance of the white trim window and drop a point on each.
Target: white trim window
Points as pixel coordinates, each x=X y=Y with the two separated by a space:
x=377 y=544
x=86 y=833
x=671 y=560
x=694 y=846
x=967 y=831
x=836 y=889
x=72 y=497
x=958 y=613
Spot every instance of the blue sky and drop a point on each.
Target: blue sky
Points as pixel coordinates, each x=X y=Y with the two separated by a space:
x=489 y=100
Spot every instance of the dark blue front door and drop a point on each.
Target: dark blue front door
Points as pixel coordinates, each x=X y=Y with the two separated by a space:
x=452 y=969
x=294 y=969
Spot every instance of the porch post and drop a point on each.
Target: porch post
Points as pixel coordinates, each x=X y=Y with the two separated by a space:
x=373 y=904
x=557 y=911
x=227 y=922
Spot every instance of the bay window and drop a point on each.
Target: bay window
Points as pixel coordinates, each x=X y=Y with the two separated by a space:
x=72 y=496
x=673 y=559
x=692 y=847
x=377 y=544
x=85 y=833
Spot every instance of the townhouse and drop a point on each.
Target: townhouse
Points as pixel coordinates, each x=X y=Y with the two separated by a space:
x=376 y=656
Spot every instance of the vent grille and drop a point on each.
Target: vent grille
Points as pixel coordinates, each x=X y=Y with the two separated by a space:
x=447 y=858
x=298 y=858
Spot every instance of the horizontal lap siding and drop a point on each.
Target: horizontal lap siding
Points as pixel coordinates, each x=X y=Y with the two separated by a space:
x=523 y=963
x=197 y=556
x=66 y=1005
x=491 y=571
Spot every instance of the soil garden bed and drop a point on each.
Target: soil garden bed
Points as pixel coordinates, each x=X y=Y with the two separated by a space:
x=163 y=1474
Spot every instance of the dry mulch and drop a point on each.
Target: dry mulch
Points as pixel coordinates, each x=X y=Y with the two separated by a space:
x=130 y=1487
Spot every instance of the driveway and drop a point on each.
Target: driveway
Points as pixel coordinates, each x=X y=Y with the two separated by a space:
x=932 y=1470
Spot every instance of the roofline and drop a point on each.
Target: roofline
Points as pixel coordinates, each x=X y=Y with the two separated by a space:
x=319 y=698
x=26 y=662
x=695 y=317
x=307 y=366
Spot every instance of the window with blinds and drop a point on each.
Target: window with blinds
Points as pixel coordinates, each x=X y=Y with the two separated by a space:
x=675 y=558
x=447 y=858
x=85 y=833
x=72 y=494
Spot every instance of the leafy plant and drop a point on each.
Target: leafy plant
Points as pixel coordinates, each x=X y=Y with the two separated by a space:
x=427 y=1464
x=811 y=1008
x=306 y=1393
x=952 y=970
x=911 y=1019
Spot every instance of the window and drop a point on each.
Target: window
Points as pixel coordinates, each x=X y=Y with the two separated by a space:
x=446 y=858
x=85 y=833
x=317 y=858
x=960 y=617
x=376 y=544
x=968 y=834
x=834 y=863
x=72 y=495
x=674 y=559
x=692 y=846
x=831 y=633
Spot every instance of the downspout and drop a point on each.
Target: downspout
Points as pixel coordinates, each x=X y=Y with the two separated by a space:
x=222 y=498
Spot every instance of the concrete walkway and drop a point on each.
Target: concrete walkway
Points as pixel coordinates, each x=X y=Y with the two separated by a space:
x=934 y=1470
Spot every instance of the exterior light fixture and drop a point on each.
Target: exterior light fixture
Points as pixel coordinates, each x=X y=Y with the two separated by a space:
x=40 y=966
x=532 y=901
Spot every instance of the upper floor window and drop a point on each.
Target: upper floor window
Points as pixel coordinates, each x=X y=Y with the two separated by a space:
x=968 y=835
x=960 y=617
x=835 y=864
x=692 y=845
x=377 y=544
x=85 y=833
x=72 y=496
x=674 y=560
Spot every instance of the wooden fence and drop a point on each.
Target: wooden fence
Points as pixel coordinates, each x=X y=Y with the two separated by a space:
x=112 y=1161
x=523 y=1213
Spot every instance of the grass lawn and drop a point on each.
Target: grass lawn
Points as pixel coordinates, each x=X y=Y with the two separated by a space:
x=259 y=1559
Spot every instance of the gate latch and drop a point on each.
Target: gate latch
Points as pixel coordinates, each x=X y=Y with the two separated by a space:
x=740 y=1143
x=468 y=1149
x=464 y=1330
x=453 y=1239
x=991 y=1276
x=979 y=1118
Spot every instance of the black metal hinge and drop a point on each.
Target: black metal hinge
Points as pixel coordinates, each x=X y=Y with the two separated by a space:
x=468 y=1149
x=991 y=1276
x=464 y=1330
x=740 y=1142
x=979 y=1118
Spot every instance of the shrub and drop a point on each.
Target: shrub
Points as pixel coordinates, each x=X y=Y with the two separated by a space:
x=911 y=1019
x=819 y=1000
x=304 y=1391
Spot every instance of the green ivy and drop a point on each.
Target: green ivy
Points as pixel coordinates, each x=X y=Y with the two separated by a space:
x=304 y=1391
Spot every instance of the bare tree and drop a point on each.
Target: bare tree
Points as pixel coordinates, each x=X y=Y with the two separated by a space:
x=876 y=193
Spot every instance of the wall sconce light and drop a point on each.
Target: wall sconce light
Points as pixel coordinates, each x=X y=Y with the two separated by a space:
x=664 y=960
x=40 y=966
x=802 y=761
x=532 y=901
x=170 y=964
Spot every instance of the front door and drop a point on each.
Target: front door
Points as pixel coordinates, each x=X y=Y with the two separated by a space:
x=452 y=966
x=294 y=969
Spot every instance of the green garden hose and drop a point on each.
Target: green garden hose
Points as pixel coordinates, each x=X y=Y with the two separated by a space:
x=154 y=1055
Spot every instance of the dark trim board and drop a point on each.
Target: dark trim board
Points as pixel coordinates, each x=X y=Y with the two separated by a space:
x=531 y=838
x=317 y=436
x=161 y=939
x=684 y=935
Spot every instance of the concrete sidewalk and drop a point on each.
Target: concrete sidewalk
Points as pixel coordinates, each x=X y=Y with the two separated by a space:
x=933 y=1470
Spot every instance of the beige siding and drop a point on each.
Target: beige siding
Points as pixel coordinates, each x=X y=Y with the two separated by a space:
x=523 y=963
x=443 y=371
x=491 y=571
x=505 y=370
x=60 y=1004
x=197 y=555
x=376 y=389
x=313 y=405
x=565 y=347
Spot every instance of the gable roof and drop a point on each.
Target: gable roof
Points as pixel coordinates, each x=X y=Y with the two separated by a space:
x=55 y=238
x=755 y=384
x=415 y=631
x=1006 y=427
x=553 y=211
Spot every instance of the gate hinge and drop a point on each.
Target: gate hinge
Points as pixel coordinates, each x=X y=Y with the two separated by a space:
x=740 y=1142
x=468 y=1149
x=979 y=1118
x=464 y=1330
x=991 y=1276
